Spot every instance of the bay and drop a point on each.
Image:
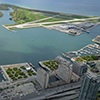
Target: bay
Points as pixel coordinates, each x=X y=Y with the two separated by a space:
x=36 y=44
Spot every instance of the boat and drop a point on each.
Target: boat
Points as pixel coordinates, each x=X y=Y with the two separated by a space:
x=31 y=65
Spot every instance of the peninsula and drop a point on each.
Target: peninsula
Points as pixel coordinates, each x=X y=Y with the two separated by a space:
x=1 y=14
x=64 y=22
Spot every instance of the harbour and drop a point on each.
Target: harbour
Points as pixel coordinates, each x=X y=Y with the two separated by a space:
x=18 y=48
x=23 y=61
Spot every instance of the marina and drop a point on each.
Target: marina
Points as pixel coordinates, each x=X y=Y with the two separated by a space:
x=91 y=49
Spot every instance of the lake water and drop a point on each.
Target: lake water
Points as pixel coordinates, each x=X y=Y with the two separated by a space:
x=36 y=44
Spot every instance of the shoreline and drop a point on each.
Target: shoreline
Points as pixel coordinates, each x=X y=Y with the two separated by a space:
x=45 y=11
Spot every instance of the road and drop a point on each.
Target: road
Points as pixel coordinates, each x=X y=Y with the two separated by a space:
x=46 y=93
x=4 y=84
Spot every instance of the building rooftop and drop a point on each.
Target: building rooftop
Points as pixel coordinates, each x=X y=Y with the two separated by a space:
x=42 y=71
x=61 y=60
x=67 y=67
x=93 y=76
x=28 y=68
x=79 y=63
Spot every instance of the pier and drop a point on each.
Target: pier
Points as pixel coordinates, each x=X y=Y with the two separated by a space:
x=9 y=29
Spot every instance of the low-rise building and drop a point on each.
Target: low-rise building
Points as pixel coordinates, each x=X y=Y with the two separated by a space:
x=28 y=68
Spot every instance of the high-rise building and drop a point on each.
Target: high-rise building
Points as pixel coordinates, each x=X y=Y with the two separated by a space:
x=89 y=87
x=79 y=68
x=64 y=72
x=42 y=77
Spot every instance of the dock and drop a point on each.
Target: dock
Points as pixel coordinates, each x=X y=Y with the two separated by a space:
x=97 y=39
x=9 y=29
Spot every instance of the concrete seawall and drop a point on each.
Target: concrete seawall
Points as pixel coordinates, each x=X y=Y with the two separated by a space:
x=5 y=74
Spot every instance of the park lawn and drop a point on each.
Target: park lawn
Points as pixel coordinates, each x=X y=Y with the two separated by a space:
x=94 y=20
x=86 y=58
x=15 y=73
x=53 y=19
x=30 y=16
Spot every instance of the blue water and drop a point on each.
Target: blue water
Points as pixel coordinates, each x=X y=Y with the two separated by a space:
x=87 y=7
x=46 y=44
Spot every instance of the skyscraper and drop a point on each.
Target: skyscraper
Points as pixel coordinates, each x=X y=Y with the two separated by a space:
x=89 y=87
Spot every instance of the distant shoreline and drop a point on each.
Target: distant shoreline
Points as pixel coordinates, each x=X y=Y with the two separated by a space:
x=44 y=11
x=26 y=18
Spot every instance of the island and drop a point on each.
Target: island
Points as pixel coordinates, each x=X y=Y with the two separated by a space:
x=64 y=22
x=2 y=7
x=1 y=14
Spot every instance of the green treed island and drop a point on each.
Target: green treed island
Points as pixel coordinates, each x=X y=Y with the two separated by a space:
x=3 y=8
x=1 y=14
